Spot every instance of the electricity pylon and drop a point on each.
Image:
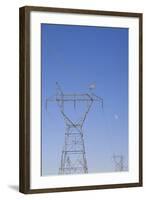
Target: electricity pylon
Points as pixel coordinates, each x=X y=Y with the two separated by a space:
x=73 y=157
x=119 y=162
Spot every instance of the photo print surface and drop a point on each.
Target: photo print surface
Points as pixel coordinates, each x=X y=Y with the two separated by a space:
x=84 y=99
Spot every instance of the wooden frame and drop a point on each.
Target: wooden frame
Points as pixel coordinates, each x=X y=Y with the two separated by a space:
x=24 y=142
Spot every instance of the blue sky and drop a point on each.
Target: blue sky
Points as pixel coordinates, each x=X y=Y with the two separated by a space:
x=76 y=56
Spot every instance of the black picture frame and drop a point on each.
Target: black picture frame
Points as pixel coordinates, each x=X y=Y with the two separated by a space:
x=24 y=99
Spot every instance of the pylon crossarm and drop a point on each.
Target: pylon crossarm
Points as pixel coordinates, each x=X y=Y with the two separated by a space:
x=76 y=97
x=97 y=98
x=50 y=99
x=60 y=98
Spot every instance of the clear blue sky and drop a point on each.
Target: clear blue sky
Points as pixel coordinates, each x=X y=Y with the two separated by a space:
x=77 y=56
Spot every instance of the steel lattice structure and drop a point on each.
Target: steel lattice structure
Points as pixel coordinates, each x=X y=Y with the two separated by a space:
x=73 y=157
x=119 y=162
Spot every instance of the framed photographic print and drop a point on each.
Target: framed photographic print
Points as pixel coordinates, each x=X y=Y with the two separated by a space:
x=80 y=99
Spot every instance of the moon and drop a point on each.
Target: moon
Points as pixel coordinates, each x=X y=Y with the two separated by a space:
x=116 y=116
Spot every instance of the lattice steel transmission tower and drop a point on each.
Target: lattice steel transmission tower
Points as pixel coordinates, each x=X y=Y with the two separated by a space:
x=73 y=157
x=119 y=162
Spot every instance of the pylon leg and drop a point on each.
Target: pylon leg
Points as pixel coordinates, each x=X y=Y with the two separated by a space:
x=73 y=158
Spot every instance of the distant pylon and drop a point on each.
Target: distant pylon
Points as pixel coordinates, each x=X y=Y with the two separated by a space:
x=73 y=157
x=118 y=162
